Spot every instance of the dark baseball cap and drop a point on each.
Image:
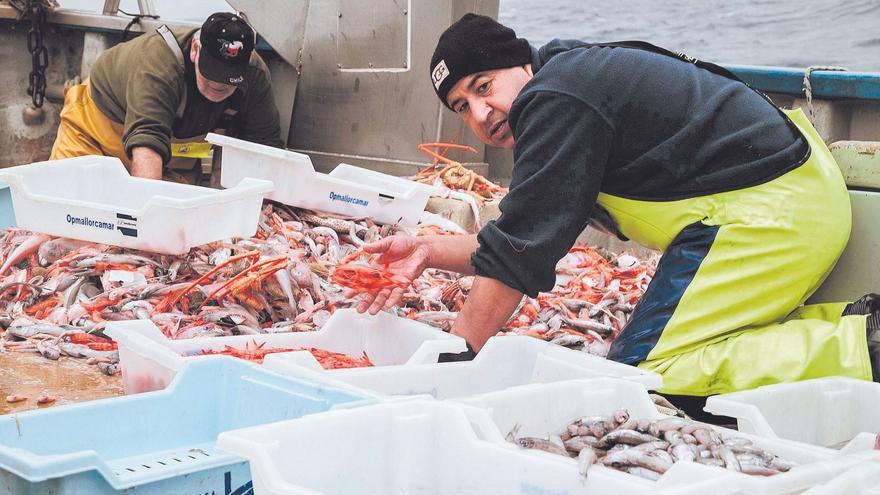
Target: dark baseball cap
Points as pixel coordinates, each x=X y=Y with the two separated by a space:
x=227 y=43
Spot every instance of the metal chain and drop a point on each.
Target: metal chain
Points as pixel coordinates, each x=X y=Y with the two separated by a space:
x=39 y=55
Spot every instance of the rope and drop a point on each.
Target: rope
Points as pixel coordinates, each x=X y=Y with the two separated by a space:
x=135 y=19
x=808 y=87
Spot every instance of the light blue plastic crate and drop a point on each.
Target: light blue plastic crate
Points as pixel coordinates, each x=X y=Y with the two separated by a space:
x=157 y=442
x=7 y=212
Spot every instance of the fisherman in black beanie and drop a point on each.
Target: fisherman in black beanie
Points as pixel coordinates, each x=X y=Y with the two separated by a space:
x=676 y=154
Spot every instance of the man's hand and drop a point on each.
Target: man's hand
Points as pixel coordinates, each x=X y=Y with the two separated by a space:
x=406 y=257
x=146 y=163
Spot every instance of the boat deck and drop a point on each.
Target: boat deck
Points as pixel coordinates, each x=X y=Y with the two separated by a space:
x=69 y=381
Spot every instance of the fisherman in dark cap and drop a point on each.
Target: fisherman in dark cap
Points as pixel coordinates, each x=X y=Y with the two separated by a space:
x=679 y=155
x=151 y=101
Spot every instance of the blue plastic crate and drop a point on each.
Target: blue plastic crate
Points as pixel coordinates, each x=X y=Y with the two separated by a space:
x=7 y=212
x=157 y=442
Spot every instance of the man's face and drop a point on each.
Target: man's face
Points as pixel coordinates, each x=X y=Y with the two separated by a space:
x=483 y=100
x=211 y=90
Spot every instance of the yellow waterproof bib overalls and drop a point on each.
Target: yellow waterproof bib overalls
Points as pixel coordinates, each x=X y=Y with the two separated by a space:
x=85 y=130
x=723 y=312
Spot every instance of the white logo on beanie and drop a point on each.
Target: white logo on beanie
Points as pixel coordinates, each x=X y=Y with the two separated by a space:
x=439 y=73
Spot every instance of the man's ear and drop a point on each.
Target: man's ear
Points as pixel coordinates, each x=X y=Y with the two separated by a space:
x=194 y=49
x=528 y=68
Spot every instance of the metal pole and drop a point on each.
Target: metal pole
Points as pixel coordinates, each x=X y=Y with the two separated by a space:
x=111 y=7
x=96 y=20
x=146 y=7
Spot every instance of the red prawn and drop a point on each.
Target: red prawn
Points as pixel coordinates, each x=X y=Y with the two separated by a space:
x=93 y=342
x=363 y=277
x=327 y=359
x=336 y=360
x=251 y=352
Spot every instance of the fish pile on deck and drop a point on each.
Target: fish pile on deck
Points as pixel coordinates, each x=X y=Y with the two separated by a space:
x=56 y=294
x=592 y=300
x=453 y=176
x=648 y=448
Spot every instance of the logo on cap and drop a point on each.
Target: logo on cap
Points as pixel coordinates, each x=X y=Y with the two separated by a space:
x=439 y=73
x=230 y=49
x=236 y=80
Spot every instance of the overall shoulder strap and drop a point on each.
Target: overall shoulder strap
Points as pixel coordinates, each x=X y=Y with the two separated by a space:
x=644 y=45
x=713 y=68
x=171 y=41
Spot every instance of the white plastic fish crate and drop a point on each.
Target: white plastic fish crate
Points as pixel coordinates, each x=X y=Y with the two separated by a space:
x=93 y=198
x=504 y=361
x=863 y=479
x=149 y=360
x=157 y=443
x=412 y=447
x=347 y=190
x=541 y=409
x=825 y=411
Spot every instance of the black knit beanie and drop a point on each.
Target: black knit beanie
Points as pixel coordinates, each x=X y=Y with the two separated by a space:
x=475 y=43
